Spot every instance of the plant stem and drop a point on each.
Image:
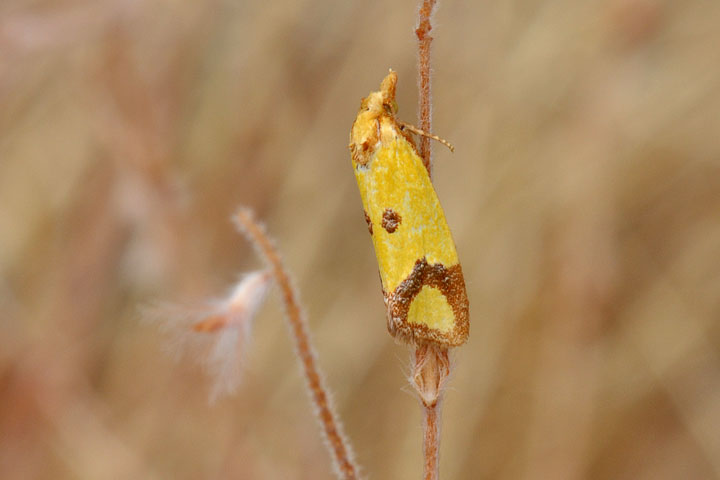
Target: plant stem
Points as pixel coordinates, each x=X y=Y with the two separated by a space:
x=431 y=364
x=425 y=98
x=337 y=443
x=431 y=368
x=431 y=443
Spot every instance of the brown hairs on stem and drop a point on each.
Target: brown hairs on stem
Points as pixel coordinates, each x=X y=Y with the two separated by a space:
x=337 y=443
x=422 y=32
x=430 y=363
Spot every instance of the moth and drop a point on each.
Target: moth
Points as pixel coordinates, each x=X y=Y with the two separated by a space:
x=422 y=280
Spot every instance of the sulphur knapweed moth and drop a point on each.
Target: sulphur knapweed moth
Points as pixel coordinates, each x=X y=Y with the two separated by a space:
x=422 y=280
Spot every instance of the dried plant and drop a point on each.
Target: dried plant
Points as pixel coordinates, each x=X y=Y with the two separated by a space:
x=226 y=325
x=218 y=334
x=339 y=446
x=427 y=8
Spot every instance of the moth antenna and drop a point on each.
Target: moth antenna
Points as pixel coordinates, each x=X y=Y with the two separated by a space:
x=423 y=133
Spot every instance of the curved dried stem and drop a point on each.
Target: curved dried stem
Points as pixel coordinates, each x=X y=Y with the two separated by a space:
x=336 y=441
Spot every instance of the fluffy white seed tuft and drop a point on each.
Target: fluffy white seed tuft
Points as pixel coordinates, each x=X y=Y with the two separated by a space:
x=218 y=334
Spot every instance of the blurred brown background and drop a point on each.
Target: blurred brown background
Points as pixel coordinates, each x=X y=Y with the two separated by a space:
x=584 y=196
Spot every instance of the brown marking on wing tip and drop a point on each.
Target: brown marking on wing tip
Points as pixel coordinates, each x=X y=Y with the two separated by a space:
x=391 y=220
x=451 y=283
x=369 y=222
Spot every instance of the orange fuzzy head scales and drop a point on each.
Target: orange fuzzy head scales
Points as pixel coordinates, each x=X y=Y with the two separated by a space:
x=382 y=101
x=377 y=113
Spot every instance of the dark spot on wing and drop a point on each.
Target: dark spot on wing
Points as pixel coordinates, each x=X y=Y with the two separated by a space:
x=391 y=220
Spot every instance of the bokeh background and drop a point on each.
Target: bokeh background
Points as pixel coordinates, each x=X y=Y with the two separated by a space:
x=584 y=196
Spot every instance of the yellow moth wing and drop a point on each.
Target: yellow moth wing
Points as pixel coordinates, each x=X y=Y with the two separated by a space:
x=396 y=179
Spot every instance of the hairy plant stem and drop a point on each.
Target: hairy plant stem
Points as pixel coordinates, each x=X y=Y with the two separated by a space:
x=337 y=443
x=431 y=365
x=431 y=442
x=424 y=86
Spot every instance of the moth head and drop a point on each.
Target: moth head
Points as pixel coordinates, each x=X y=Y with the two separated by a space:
x=382 y=101
x=387 y=92
x=365 y=130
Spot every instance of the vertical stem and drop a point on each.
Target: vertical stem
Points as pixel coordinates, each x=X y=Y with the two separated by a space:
x=431 y=365
x=431 y=443
x=430 y=371
x=425 y=98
